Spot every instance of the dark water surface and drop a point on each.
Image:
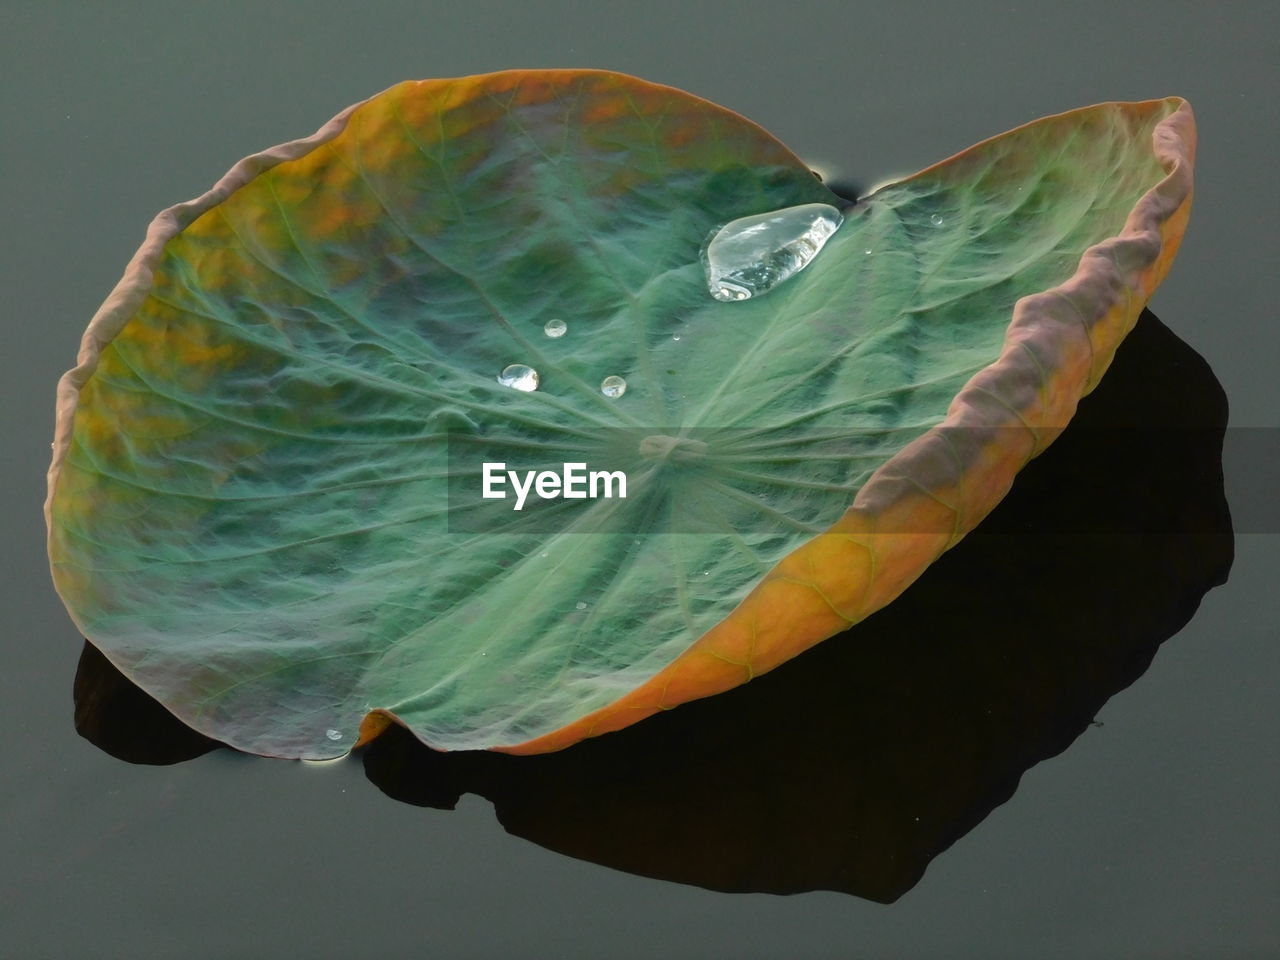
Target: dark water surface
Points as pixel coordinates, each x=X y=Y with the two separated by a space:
x=1044 y=834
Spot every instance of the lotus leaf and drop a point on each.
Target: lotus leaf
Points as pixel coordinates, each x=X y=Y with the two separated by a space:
x=254 y=505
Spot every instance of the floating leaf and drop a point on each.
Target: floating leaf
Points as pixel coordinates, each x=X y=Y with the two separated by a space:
x=264 y=499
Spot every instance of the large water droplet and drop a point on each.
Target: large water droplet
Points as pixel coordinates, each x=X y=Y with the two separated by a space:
x=936 y=219
x=613 y=387
x=519 y=376
x=752 y=255
x=555 y=329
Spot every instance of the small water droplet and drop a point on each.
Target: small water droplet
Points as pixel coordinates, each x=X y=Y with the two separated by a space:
x=543 y=554
x=333 y=734
x=613 y=387
x=750 y=256
x=676 y=337
x=867 y=251
x=936 y=219
x=706 y=573
x=555 y=329
x=580 y=605
x=520 y=376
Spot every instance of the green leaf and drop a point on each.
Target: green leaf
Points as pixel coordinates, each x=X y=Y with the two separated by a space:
x=264 y=502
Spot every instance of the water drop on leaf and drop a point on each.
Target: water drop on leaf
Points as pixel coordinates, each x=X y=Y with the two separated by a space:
x=520 y=376
x=750 y=256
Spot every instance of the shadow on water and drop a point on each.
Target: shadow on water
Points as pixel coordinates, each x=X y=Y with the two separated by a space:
x=854 y=765
x=120 y=718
